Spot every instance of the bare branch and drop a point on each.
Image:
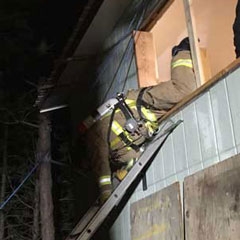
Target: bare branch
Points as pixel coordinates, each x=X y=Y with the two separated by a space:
x=20 y=122
x=29 y=124
x=9 y=123
x=31 y=83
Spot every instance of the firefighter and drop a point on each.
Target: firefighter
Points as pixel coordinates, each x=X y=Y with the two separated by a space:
x=117 y=138
x=236 y=30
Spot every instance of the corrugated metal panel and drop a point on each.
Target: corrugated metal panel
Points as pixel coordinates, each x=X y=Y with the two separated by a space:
x=210 y=133
x=234 y=99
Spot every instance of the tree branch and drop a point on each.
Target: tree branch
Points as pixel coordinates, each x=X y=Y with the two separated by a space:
x=20 y=122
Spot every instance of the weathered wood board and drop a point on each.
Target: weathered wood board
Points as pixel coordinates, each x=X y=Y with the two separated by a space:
x=146 y=59
x=193 y=39
x=212 y=202
x=158 y=216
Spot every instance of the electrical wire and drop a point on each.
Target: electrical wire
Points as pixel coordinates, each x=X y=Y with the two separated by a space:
x=20 y=185
x=141 y=18
x=146 y=5
x=106 y=66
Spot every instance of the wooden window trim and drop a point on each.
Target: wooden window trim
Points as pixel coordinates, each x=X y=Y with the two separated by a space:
x=146 y=59
x=204 y=84
x=192 y=34
x=158 y=12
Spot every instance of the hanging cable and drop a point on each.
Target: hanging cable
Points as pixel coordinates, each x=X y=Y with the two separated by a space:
x=112 y=49
x=116 y=72
x=141 y=18
x=19 y=186
x=2 y=205
x=129 y=67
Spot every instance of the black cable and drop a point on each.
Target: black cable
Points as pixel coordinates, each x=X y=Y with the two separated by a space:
x=145 y=7
x=115 y=74
x=145 y=4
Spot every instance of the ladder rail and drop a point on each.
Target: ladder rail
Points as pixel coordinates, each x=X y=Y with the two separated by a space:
x=84 y=222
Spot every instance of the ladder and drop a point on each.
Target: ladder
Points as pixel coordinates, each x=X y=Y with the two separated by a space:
x=96 y=215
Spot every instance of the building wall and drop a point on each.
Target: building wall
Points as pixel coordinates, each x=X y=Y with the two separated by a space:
x=107 y=81
x=210 y=133
x=213 y=30
x=173 y=25
x=100 y=79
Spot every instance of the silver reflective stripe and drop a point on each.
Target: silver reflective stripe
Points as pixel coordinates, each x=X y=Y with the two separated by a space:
x=105 y=180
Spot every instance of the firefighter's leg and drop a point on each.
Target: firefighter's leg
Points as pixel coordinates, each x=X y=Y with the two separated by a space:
x=104 y=180
x=98 y=149
x=182 y=74
x=167 y=94
x=105 y=187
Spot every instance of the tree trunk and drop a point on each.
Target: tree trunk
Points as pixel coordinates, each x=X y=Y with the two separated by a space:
x=36 y=229
x=3 y=180
x=45 y=179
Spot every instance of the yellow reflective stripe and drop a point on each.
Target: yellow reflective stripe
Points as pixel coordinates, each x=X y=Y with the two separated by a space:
x=103 y=177
x=182 y=62
x=116 y=128
x=130 y=101
x=115 y=142
x=152 y=125
x=104 y=180
x=148 y=114
x=105 y=183
x=150 y=128
x=130 y=164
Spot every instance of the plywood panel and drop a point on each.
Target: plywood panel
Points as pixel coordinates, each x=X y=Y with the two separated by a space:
x=193 y=38
x=158 y=216
x=212 y=202
x=205 y=64
x=146 y=59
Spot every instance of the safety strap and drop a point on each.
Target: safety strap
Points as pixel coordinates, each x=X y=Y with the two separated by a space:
x=118 y=130
x=150 y=123
x=109 y=130
x=123 y=106
x=148 y=116
x=143 y=107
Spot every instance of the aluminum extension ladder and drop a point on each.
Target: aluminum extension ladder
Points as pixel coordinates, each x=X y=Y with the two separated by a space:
x=95 y=216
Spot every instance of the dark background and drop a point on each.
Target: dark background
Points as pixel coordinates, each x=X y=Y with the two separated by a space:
x=33 y=34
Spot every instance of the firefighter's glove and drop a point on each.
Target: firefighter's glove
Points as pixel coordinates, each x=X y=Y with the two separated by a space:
x=104 y=196
x=121 y=174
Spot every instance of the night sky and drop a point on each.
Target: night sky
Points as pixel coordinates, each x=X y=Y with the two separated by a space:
x=32 y=35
